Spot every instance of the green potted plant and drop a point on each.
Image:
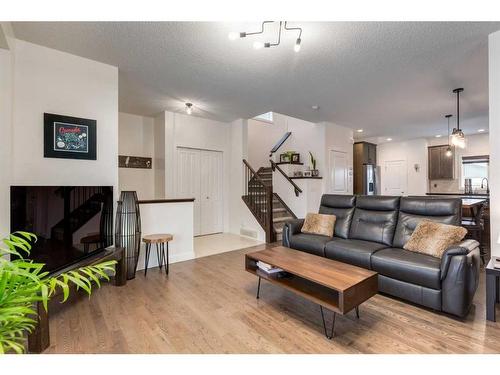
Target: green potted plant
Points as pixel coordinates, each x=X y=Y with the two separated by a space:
x=23 y=283
x=314 y=171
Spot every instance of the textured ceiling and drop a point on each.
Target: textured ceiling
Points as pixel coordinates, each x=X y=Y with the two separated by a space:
x=391 y=79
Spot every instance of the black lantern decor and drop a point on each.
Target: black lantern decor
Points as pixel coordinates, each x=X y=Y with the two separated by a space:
x=128 y=230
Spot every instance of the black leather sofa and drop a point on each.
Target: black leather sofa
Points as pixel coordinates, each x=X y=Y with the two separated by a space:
x=370 y=232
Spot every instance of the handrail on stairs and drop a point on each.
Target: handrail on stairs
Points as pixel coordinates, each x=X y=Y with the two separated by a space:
x=279 y=143
x=275 y=166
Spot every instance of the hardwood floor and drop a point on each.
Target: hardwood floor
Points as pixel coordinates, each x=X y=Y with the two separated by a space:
x=208 y=305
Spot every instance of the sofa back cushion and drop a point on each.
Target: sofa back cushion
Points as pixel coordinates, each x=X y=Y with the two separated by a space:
x=375 y=219
x=412 y=210
x=342 y=206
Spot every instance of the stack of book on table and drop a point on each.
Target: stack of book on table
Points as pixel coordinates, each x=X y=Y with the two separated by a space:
x=267 y=268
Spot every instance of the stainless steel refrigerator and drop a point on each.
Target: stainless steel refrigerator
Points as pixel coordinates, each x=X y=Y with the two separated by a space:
x=371 y=179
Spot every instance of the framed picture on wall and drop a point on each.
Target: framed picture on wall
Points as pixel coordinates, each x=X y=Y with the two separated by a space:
x=69 y=137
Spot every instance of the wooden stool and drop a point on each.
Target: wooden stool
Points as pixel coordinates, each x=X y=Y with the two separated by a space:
x=159 y=240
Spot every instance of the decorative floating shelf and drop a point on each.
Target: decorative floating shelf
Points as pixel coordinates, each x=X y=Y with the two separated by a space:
x=306 y=178
x=125 y=161
x=289 y=162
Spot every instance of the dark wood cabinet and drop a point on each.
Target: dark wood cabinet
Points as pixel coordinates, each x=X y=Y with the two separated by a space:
x=441 y=166
x=364 y=153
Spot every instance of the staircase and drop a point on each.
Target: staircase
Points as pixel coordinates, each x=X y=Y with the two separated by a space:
x=267 y=207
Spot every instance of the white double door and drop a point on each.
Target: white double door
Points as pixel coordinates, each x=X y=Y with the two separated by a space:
x=200 y=175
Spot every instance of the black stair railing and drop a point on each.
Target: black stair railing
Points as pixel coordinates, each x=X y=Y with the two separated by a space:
x=279 y=143
x=276 y=167
x=259 y=199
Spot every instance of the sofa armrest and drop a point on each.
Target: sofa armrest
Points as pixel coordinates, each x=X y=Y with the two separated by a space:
x=460 y=277
x=290 y=228
x=462 y=248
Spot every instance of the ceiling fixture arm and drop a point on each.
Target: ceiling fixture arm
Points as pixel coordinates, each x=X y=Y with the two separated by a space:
x=267 y=45
x=294 y=28
x=244 y=34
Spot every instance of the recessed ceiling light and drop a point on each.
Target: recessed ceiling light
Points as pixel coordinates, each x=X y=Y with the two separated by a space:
x=389 y=139
x=438 y=136
x=481 y=130
x=359 y=131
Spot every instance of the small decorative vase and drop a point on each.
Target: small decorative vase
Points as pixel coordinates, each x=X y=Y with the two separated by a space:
x=128 y=230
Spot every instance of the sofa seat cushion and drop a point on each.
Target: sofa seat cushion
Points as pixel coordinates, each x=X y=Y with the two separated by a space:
x=404 y=265
x=309 y=243
x=355 y=252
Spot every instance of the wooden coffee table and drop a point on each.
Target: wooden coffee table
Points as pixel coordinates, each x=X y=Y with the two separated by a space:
x=333 y=285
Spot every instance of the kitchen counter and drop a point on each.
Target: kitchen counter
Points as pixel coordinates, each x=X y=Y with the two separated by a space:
x=461 y=195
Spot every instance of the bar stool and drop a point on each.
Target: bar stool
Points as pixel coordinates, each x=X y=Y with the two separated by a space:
x=159 y=240
x=475 y=229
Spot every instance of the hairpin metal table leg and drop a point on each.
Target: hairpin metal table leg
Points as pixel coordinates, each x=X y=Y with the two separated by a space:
x=332 y=332
x=357 y=312
x=258 y=289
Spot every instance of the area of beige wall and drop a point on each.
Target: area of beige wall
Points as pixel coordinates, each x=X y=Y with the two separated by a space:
x=136 y=138
x=414 y=153
x=5 y=139
x=47 y=80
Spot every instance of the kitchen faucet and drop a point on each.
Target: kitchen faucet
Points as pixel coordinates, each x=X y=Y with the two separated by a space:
x=487 y=185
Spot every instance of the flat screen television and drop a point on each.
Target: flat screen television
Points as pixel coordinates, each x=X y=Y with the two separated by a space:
x=71 y=222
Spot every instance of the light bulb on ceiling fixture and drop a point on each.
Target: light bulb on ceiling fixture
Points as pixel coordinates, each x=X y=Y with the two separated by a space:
x=233 y=35
x=296 y=48
x=189 y=108
x=258 y=45
x=449 y=153
x=458 y=138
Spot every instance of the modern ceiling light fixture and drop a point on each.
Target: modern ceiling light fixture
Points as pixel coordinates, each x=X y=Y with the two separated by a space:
x=189 y=108
x=448 y=153
x=458 y=136
x=258 y=45
x=296 y=47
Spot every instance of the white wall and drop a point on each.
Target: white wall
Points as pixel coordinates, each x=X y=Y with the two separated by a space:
x=306 y=136
x=46 y=80
x=5 y=139
x=136 y=138
x=240 y=217
x=413 y=152
x=477 y=144
x=494 y=118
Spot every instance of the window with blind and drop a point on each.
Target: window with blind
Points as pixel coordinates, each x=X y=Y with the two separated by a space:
x=476 y=168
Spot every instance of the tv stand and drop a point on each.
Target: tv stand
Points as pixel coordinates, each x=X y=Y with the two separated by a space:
x=39 y=339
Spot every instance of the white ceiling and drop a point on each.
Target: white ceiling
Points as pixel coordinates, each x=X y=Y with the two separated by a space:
x=391 y=79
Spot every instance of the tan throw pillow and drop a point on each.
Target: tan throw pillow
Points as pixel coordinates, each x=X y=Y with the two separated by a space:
x=319 y=224
x=434 y=238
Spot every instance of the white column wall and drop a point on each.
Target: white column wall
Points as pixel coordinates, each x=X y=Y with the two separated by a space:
x=494 y=104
